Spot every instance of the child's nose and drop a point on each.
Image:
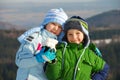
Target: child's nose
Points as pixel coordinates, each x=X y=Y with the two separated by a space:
x=74 y=36
x=55 y=28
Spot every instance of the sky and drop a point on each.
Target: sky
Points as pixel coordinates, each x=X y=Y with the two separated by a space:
x=47 y=1
x=31 y=12
x=50 y=1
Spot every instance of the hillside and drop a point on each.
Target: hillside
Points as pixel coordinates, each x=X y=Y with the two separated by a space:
x=8 y=26
x=106 y=19
x=109 y=19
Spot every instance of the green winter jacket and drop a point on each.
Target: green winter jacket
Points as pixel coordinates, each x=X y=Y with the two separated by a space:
x=74 y=62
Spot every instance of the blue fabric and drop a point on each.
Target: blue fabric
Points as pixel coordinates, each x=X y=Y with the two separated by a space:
x=39 y=56
x=25 y=58
x=50 y=55
x=101 y=75
x=97 y=51
x=55 y=15
x=22 y=37
x=98 y=77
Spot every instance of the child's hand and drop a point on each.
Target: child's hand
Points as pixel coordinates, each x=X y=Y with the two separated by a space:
x=43 y=55
x=49 y=55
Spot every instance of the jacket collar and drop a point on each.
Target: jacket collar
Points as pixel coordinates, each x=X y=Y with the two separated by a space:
x=46 y=34
x=72 y=45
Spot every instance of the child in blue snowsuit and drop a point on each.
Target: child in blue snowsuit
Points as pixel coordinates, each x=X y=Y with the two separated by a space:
x=32 y=53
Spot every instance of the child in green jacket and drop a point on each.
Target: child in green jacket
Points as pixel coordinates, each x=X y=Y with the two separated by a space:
x=75 y=60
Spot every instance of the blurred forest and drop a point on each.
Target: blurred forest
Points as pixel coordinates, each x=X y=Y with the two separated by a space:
x=9 y=46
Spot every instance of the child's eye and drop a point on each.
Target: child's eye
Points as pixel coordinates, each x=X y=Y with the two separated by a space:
x=69 y=34
x=53 y=23
x=77 y=33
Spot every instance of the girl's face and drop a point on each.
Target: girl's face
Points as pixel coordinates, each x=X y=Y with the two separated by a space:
x=54 y=28
x=75 y=36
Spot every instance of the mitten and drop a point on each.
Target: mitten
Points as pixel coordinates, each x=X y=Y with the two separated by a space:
x=45 y=55
x=39 y=55
x=49 y=55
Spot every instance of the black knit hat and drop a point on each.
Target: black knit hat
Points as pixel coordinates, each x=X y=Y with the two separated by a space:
x=76 y=22
x=72 y=25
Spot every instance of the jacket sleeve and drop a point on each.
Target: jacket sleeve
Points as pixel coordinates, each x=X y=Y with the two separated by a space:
x=102 y=74
x=22 y=37
x=25 y=57
x=100 y=67
x=53 y=71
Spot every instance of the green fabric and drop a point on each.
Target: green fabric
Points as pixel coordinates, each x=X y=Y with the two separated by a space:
x=89 y=63
x=93 y=47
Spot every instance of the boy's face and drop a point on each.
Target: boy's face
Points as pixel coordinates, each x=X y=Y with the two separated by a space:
x=75 y=36
x=54 y=28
